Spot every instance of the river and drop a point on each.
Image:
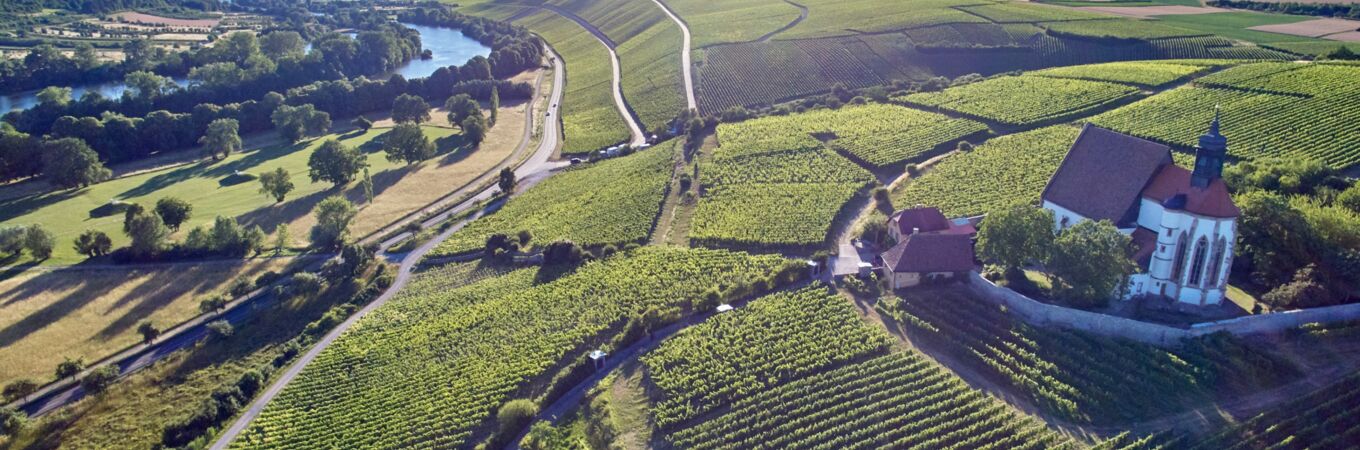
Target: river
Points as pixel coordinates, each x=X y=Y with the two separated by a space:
x=447 y=45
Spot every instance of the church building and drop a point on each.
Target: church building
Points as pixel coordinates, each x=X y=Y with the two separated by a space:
x=1182 y=222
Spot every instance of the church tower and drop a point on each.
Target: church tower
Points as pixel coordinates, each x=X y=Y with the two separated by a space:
x=1209 y=155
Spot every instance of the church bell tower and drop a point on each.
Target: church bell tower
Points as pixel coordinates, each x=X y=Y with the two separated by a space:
x=1209 y=155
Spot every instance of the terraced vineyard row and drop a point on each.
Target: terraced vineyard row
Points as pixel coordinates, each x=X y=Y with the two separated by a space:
x=1023 y=100
x=765 y=215
x=828 y=18
x=426 y=370
x=1021 y=12
x=611 y=202
x=1121 y=29
x=879 y=134
x=1326 y=419
x=732 y=21
x=1005 y=171
x=893 y=401
x=1310 y=122
x=1082 y=377
x=734 y=355
x=1141 y=73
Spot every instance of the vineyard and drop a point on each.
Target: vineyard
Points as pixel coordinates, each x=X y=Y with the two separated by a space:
x=1141 y=73
x=1326 y=419
x=428 y=370
x=732 y=21
x=1120 y=29
x=589 y=119
x=763 y=215
x=1082 y=377
x=1024 y=100
x=893 y=401
x=1268 y=111
x=828 y=18
x=1008 y=170
x=1030 y=12
x=879 y=134
x=611 y=202
x=734 y=355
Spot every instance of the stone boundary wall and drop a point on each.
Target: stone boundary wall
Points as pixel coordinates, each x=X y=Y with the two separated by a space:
x=1045 y=314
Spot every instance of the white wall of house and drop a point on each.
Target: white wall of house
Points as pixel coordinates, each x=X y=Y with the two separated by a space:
x=1062 y=217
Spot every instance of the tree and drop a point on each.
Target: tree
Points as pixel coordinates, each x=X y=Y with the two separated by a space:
x=93 y=243
x=222 y=138
x=280 y=44
x=146 y=85
x=1274 y=237
x=407 y=142
x=1341 y=52
x=1350 y=198
x=12 y=240
x=38 y=241
x=1015 y=236
x=362 y=123
x=333 y=216
x=18 y=389
x=562 y=253
x=276 y=183
x=1304 y=291
x=1091 y=262
x=280 y=238
x=149 y=331
x=99 y=380
x=11 y=420
x=298 y=122
x=54 y=96
x=213 y=303
x=514 y=415
x=335 y=162
x=368 y=186
x=173 y=211
x=506 y=180
x=495 y=105
x=460 y=107
x=147 y=232
x=70 y=368
x=408 y=108
x=474 y=129
x=69 y=163
x=220 y=329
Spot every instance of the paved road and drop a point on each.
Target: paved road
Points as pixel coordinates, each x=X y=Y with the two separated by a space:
x=532 y=170
x=634 y=130
x=685 y=51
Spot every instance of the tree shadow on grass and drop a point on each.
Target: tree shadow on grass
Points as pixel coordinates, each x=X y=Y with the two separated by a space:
x=452 y=150
x=155 y=293
x=271 y=216
x=211 y=169
x=12 y=208
x=82 y=292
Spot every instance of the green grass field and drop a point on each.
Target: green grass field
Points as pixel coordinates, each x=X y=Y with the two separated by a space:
x=212 y=188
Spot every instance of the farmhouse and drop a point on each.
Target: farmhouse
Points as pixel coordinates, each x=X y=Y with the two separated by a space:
x=929 y=247
x=1182 y=222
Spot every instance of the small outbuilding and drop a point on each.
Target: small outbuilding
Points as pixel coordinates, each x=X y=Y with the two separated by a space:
x=927 y=256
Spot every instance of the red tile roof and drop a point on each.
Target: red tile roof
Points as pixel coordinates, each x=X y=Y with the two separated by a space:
x=1173 y=181
x=928 y=253
x=1104 y=173
x=1144 y=245
x=925 y=219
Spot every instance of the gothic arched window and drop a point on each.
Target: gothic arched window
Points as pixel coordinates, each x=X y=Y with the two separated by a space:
x=1178 y=264
x=1216 y=264
x=1197 y=266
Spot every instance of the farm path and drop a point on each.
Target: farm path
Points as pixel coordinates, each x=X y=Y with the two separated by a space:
x=634 y=129
x=685 y=51
x=535 y=168
x=802 y=15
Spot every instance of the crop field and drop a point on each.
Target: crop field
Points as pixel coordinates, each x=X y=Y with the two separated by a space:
x=898 y=401
x=213 y=189
x=1020 y=12
x=834 y=18
x=761 y=215
x=1328 y=418
x=90 y=314
x=590 y=120
x=461 y=353
x=878 y=134
x=1121 y=29
x=615 y=201
x=1005 y=171
x=1304 y=120
x=732 y=21
x=1141 y=73
x=734 y=355
x=1024 y=100
x=1083 y=377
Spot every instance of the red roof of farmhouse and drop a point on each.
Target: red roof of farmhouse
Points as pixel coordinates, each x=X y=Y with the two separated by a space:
x=924 y=219
x=927 y=253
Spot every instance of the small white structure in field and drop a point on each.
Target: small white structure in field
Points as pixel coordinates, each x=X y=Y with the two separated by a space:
x=724 y=308
x=597 y=357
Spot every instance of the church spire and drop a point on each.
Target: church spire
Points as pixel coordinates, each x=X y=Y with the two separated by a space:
x=1209 y=155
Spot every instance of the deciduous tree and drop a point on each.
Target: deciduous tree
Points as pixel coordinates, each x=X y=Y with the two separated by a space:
x=173 y=211
x=69 y=163
x=149 y=331
x=1090 y=260
x=222 y=138
x=407 y=142
x=38 y=241
x=333 y=216
x=93 y=243
x=335 y=163
x=408 y=108
x=276 y=184
x=1015 y=236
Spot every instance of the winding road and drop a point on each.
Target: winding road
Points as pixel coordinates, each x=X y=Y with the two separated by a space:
x=635 y=133
x=535 y=169
x=686 y=48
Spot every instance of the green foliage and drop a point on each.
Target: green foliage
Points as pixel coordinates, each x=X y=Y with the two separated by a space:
x=332 y=162
x=461 y=107
x=489 y=338
x=173 y=211
x=610 y=202
x=772 y=340
x=297 y=122
x=408 y=108
x=407 y=142
x=1003 y=172
x=149 y=331
x=147 y=231
x=513 y=416
x=1283 y=176
x=1024 y=100
x=1091 y=262
x=1119 y=29
x=38 y=241
x=226 y=237
x=222 y=138
x=276 y=184
x=99 y=380
x=69 y=368
x=1325 y=418
x=1017 y=235
x=1141 y=73
x=11 y=420
x=220 y=329
x=69 y=163
x=333 y=216
x=760 y=215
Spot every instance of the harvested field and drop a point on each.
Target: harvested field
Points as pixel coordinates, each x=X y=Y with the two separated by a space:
x=1349 y=36
x=1152 y=11
x=1312 y=28
x=91 y=313
x=136 y=17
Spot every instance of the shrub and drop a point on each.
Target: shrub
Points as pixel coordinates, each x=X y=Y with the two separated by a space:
x=220 y=329
x=513 y=417
x=99 y=380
